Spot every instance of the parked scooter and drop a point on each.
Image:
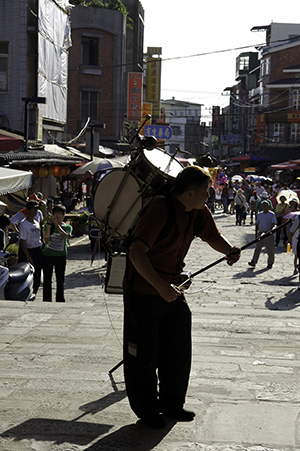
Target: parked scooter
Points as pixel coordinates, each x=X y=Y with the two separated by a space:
x=16 y=282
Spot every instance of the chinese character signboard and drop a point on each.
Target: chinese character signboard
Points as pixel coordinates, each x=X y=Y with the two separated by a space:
x=135 y=83
x=161 y=132
x=153 y=76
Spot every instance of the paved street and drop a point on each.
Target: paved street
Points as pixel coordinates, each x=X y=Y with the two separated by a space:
x=56 y=394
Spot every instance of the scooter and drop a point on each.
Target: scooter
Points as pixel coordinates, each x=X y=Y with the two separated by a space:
x=16 y=282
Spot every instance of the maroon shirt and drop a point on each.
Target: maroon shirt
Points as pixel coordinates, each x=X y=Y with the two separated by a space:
x=167 y=254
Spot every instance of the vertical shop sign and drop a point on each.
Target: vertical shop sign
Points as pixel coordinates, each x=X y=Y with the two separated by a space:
x=153 y=77
x=135 y=84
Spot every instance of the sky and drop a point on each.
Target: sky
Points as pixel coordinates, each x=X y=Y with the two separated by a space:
x=187 y=30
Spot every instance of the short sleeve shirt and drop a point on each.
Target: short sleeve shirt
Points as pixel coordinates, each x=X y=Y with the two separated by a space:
x=266 y=221
x=57 y=245
x=167 y=255
x=31 y=233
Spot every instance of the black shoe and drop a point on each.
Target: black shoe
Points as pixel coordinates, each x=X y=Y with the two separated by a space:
x=269 y=266
x=251 y=264
x=154 y=421
x=180 y=414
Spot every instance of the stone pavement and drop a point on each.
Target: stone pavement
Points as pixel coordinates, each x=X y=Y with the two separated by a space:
x=56 y=393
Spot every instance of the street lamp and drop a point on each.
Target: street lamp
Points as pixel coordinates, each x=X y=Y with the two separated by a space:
x=92 y=127
x=28 y=100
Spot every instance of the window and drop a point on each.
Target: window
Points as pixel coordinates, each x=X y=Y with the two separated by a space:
x=176 y=130
x=89 y=105
x=244 y=63
x=3 y=66
x=295 y=132
x=89 y=51
x=296 y=99
x=267 y=66
x=278 y=133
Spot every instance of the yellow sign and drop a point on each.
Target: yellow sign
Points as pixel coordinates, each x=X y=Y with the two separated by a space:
x=147 y=109
x=153 y=76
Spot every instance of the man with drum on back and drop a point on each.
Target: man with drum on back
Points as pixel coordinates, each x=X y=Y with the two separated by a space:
x=157 y=319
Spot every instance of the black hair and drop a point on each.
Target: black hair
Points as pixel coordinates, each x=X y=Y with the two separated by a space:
x=191 y=177
x=4 y=221
x=59 y=208
x=32 y=204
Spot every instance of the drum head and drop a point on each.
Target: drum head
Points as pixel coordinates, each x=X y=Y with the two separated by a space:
x=117 y=201
x=167 y=164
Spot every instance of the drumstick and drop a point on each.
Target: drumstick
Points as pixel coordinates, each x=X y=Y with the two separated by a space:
x=260 y=238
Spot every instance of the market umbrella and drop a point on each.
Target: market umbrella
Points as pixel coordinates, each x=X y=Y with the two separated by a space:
x=292 y=214
x=239 y=178
x=96 y=165
x=288 y=194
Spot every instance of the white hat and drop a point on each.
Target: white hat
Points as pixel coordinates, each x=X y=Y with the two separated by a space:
x=264 y=195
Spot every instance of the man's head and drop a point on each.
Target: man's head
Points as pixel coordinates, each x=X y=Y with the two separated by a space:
x=32 y=208
x=265 y=206
x=191 y=187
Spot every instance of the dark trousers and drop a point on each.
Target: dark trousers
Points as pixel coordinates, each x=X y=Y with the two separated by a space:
x=36 y=254
x=239 y=210
x=157 y=342
x=59 y=265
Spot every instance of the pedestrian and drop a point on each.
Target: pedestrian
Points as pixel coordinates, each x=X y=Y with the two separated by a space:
x=55 y=235
x=30 y=249
x=263 y=196
x=16 y=219
x=294 y=240
x=239 y=202
x=266 y=221
x=231 y=194
x=157 y=319
x=224 y=196
x=279 y=213
x=4 y=225
x=252 y=206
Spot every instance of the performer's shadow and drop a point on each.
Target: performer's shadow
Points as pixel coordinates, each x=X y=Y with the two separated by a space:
x=82 y=433
x=288 y=302
x=57 y=431
x=134 y=436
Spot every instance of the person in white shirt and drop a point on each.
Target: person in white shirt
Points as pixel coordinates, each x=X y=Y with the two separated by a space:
x=30 y=249
x=266 y=221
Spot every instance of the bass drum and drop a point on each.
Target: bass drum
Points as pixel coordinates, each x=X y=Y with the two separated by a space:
x=117 y=202
x=157 y=168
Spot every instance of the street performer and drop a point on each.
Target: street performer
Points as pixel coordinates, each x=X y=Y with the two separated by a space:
x=157 y=319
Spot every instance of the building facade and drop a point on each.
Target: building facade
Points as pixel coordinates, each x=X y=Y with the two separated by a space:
x=105 y=47
x=34 y=43
x=184 y=119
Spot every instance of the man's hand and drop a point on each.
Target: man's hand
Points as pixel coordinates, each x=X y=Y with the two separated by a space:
x=233 y=255
x=169 y=292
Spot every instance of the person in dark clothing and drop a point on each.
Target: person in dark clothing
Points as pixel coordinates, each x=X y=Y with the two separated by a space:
x=56 y=233
x=157 y=319
x=4 y=224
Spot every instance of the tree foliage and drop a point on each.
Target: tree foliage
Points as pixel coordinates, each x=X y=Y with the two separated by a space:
x=108 y=4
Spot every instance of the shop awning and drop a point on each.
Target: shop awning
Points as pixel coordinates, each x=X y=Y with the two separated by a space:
x=12 y=180
x=9 y=143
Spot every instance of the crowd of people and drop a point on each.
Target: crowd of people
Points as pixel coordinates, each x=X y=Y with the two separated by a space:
x=42 y=237
x=267 y=204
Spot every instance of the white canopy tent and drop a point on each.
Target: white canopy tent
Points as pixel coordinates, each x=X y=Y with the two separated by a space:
x=13 y=180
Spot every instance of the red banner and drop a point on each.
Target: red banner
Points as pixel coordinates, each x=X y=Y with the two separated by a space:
x=135 y=88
